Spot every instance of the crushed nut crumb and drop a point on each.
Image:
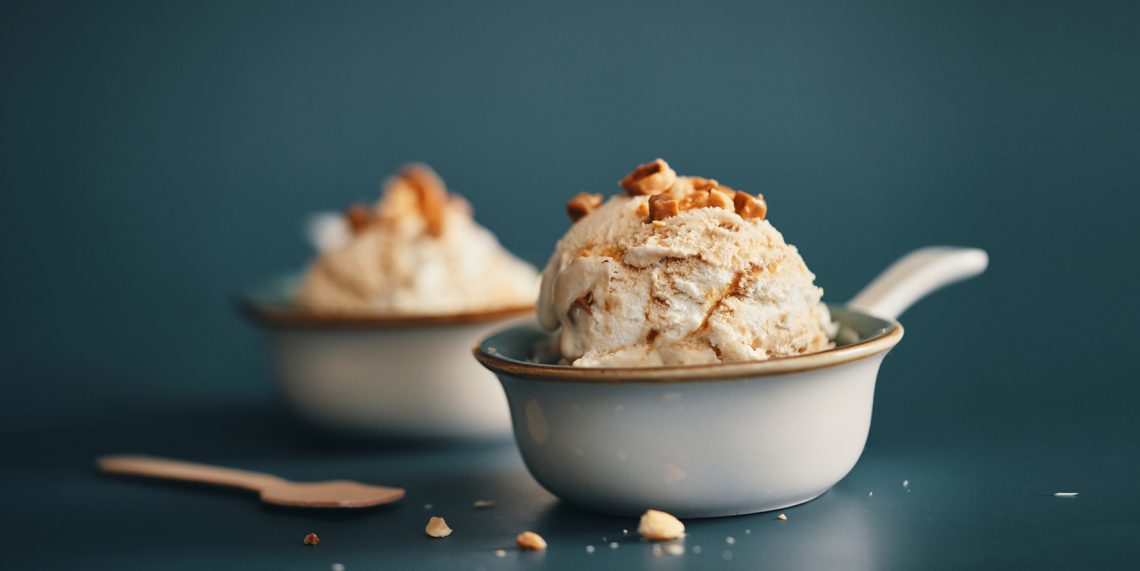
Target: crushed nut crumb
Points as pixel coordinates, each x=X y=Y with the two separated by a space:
x=653 y=178
x=662 y=206
x=582 y=205
x=530 y=540
x=312 y=539
x=359 y=217
x=432 y=195
x=782 y=517
x=659 y=526
x=748 y=206
x=436 y=527
x=483 y=504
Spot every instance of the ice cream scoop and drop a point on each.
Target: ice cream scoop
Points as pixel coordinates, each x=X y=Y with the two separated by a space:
x=417 y=251
x=677 y=271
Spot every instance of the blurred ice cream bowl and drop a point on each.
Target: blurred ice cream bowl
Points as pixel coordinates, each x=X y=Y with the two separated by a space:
x=372 y=338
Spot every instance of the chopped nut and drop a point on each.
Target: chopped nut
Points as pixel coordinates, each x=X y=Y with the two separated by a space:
x=782 y=517
x=662 y=206
x=581 y=205
x=653 y=178
x=703 y=184
x=432 y=195
x=482 y=504
x=436 y=527
x=693 y=200
x=659 y=526
x=312 y=539
x=642 y=209
x=359 y=216
x=748 y=206
x=718 y=199
x=530 y=540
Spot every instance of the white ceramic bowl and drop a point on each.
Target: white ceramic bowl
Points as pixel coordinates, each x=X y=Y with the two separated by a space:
x=401 y=378
x=710 y=440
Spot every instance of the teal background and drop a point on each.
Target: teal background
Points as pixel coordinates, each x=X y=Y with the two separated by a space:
x=157 y=157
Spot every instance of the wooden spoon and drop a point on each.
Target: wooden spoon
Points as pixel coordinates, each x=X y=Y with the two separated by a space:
x=273 y=490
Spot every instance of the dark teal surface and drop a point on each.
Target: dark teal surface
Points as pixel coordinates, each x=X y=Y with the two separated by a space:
x=158 y=157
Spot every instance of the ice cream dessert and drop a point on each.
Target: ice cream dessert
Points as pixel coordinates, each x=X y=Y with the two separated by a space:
x=678 y=270
x=417 y=251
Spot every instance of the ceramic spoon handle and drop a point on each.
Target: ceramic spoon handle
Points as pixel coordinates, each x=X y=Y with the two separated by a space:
x=916 y=275
x=186 y=471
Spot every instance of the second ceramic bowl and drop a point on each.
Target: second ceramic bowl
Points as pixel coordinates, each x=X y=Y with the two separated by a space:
x=401 y=378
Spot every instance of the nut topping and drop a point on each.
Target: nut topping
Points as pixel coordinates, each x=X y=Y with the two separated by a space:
x=703 y=183
x=432 y=195
x=581 y=205
x=530 y=540
x=653 y=178
x=359 y=217
x=748 y=206
x=662 y=206
x=718 y=199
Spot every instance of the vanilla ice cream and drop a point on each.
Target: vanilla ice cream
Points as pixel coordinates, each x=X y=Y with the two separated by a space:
x=678 y=271
x=416 y=252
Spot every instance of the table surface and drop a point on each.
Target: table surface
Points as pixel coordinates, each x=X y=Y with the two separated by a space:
x=964 y=502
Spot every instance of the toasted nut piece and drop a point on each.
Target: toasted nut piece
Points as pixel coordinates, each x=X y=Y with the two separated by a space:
x=748 y=206
x=359 y=216
x=653 y=178
x=782 y=517
x=693 y=200
x=312 y=539
x=718 y=199
x=530 y=540
x=436 y=527
x=432 y=195
x=660 y=526
x=662 y=206
x=703 y=183
x=642 y=209
x=581 y=205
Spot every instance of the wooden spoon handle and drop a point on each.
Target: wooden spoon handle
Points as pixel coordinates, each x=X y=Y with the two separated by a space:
x=163 y=468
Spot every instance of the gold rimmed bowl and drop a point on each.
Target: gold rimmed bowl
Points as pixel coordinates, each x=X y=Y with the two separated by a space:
x=710 y=440
x=395 y=377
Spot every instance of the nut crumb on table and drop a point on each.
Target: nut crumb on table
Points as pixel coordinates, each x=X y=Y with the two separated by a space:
x=312 y=539
x=659 y=526
x=436 y=527
x=530 y=540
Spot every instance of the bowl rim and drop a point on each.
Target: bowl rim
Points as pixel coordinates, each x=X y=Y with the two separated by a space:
x=881 y=342
x=271 y=303
x=281 y=315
